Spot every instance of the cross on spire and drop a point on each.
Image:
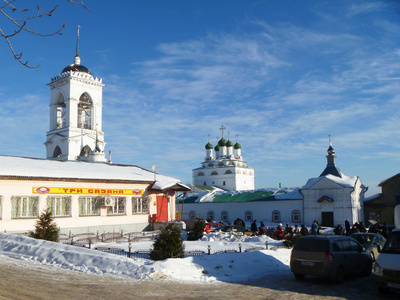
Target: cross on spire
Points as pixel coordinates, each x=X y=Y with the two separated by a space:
x=330 y=141
x=77 y=42
x=222 y=129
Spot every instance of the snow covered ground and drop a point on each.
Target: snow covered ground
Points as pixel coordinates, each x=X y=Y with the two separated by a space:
x=232 y=267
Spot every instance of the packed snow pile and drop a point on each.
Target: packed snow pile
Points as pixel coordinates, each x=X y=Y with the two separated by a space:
x=230 y=267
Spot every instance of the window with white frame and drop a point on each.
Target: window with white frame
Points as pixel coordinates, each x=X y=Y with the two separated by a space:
x=118 y=208
x=248 y=216
x=24 y=207
x=59 y=206
x=211 y=215
x=140 y=205
x=224 y=216
x=296 y=217
x=89 y=206
x=276 y=216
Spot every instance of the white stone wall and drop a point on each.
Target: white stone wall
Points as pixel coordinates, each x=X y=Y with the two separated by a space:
x=262 y=210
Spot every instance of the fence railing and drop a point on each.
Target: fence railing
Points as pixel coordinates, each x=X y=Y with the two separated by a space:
x=86 y=240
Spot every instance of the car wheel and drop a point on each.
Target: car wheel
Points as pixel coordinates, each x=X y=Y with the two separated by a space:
x=368 y=270
x=383 y=289
x=299 y=276
x=339 y=275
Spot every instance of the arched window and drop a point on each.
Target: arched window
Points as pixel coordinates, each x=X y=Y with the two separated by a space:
x=211 y=215
x=237 y=171
x=200 y=174
x=221 y=164
x=192 y=215
x=296 y=216
x=228 y=172
x=224 y=216
x=85 y=151
x=214 y=173
x=248 y=216
x=61 y=113
x=211 y=165
x=276 y=216
x=57 y=152
x=85 y=112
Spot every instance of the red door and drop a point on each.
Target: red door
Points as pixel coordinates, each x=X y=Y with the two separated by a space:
x=162 y=209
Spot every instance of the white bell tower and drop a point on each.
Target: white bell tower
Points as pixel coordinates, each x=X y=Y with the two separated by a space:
x=76 y=101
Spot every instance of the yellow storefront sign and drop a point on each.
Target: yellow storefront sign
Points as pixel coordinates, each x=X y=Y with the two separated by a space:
x=86 y=191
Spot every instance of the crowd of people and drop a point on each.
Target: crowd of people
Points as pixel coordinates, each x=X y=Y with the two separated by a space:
x=360 y=227
x=279 y=232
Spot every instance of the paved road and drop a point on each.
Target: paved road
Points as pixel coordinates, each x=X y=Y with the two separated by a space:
x=25 y=280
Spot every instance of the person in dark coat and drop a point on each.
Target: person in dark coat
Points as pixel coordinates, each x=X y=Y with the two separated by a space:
x=288 y=229
x=384 y=231
x=354 y=229
x=338 y=230
x=303 y=230
x=254 y=226
x=347 y=226
x=361 y=227
x=262 y=228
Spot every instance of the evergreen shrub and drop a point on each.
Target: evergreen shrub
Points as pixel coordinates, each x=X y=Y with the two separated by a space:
x=45 y=228
x=169 y=244
x=197 y=232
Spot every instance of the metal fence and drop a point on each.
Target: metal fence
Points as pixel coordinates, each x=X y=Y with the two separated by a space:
x=86 y=240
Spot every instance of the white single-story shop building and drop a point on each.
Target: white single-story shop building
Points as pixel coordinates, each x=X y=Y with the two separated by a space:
x=83 y=196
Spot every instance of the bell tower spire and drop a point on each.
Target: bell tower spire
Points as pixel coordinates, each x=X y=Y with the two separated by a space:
x=331 y=167
x=76 y=101
x=77 y=59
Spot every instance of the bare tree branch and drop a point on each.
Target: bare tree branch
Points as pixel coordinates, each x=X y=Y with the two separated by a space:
x=19 y=18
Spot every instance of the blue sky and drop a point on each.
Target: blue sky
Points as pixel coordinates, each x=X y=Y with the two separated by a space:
x=282 y=75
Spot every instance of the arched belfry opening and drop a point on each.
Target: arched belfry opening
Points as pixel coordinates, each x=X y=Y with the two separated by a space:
x=61 y=111
x=85 y=111
x=85 y=151
x=57 y=152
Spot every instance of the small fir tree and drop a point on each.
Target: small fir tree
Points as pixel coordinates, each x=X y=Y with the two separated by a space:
x=169 y=244
x=45 y=228
x=197 y=232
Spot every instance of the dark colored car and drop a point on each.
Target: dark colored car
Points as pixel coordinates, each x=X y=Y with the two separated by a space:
x=333 y=257
x=210 y=227
x=372 y=242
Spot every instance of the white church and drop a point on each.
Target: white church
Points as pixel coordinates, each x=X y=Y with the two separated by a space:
x=84 y=191
x=224 y=167
x=330 y=198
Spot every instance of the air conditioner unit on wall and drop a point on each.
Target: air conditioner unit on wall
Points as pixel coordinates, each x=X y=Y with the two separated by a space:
x=109 y=201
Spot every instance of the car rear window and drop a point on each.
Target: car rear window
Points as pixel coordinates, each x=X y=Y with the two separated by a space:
x=392 y=245
x=312 y=245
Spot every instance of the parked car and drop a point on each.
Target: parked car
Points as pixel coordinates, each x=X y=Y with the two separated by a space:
x=235 y=229
x=210 y=227
x=333 y=257
x=372 y=242
x=387 y=267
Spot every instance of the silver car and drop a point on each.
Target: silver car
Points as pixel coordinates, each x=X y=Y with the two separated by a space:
x=372 y=242
x=332 y=256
